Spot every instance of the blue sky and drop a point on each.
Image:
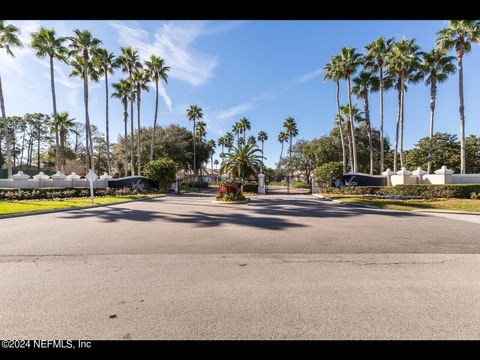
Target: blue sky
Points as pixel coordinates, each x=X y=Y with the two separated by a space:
x=264 y=70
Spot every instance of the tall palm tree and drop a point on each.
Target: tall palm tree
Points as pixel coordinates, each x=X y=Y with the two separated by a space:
x=8 y=40
x=156 y=70
x=435 y=68
x=221 y=141
x=404 y=59
x=282 y=139
x=122 y=92
x=363 y=83
x=194 y=113
x=229 y=138
x=460 y=35
x=211 y=145
x=245 y=125
x=65 y=125
x=349 y=60
x=106 y=63
x=262 y=137
x=291 y=130
x=128 y=61
x=83 y=47
x=237 y=129
x=378 y=51
x=333 y=72
x=140 y=81
x=47 y=44
x=200 y=130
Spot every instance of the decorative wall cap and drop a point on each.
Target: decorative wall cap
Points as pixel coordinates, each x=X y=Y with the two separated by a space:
x=444 y=171
x=20 y=175
x=73 y=176
x=105 y=176
x=41 y=176
x=419 y=172
x=58 y=175
x=261 y=175
x=404 y=171
x=388 y=172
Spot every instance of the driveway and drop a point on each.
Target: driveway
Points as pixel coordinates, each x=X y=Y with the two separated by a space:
x=283 y=266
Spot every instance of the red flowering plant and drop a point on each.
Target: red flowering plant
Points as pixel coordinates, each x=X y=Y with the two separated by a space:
x=230 y=192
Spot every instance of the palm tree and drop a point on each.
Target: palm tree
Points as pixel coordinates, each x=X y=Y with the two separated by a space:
x=363 y=83
x=252 y=140
x=378 y=51
x=333 y=72
x=200 y=130
x=8 y=40
x=435 y=68
x=244 y=125
x=237 y=129
x=106 y=63
x=460 y=35
x=140 y=81
x=128 y=61
x=244 y=162
x=229 y=138
x=122 y=92
x=83 y=47
x=211 y=145
x=46 y=44
x=64 y=124
x=262 y=137
x=282 y=138
x=156 y=70
x=291 y=130
x=349 y=60
x=194 y=113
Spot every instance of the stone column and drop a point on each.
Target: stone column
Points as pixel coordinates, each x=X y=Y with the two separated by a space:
x=20 y=180
x=72 y=178
x=58 y=179
x=419 y=174
x=261 y=183
x=388 y=173
x=105 y=177
x=41 y=177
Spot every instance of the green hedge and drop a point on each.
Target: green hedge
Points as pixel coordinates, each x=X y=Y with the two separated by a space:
x=59 y=193
x=300 y=185
x=251 y=188
x=424 y=191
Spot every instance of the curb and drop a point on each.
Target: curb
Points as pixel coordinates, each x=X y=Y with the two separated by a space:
x=346 y=203
x=231 y=202
x=7 y=216
x=448 y=211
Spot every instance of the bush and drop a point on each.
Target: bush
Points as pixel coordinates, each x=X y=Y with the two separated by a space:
x=163 y=171
x=59 y=193
x=300 y=185
x=424 y=191
x=251 y=188
x=328 y=172
x=230 y=192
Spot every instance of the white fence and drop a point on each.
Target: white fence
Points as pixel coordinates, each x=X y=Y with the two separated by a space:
x=419 y=176
x=23 y=181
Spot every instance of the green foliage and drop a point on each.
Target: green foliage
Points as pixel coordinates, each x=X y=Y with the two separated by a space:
x=250 y=188
x=59 y=193
x=424 y=191
x=243 y=162
x=300 y=185
x=163 y=171
x=328 y=172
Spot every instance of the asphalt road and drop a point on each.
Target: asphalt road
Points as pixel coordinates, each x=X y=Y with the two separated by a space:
x=281 y=267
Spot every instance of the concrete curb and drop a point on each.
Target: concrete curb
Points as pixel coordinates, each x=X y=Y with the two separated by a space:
x=448 y=211
x=6 y=216
x=231 y=202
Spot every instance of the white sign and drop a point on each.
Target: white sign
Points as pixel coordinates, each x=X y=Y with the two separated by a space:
x=91 y=177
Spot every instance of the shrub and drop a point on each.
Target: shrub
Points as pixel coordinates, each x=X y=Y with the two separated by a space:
x=328 y=172
x=59 y=193
x=300 y=185
x=163 y=171
x=230 y=192
x=424 y=191
x=251 y=188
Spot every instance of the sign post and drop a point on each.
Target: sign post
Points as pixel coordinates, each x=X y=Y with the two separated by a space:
x=91 y=177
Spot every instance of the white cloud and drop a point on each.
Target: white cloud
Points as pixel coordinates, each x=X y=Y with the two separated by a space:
x=163 y=93
x=236 y=110
x=309 y=76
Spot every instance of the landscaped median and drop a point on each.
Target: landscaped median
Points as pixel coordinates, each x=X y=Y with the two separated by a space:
x=464 y=205
x=27 y=206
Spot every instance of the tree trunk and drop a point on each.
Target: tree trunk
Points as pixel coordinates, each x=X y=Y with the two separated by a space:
x=433 y=93
x=138 y=132
x=87 y=120
x=194 y=155
x=132 y=141
x=39 y=139
x=369 y=130
x=125 y=120
x=395 y=151
x=106 y=123
x=7 y=138
x=402 y=120
x=58 y=165
x=382 y=154
x=340 y=125
x=23 y=146
x=152 y=144
x=462 y=115
x=352 y=127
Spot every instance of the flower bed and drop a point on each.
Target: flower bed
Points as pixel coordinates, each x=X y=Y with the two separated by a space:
x=230 y=192
x=59 y=193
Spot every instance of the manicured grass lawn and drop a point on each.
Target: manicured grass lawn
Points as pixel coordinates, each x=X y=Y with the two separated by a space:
x=409 y=205
x=16 y=207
